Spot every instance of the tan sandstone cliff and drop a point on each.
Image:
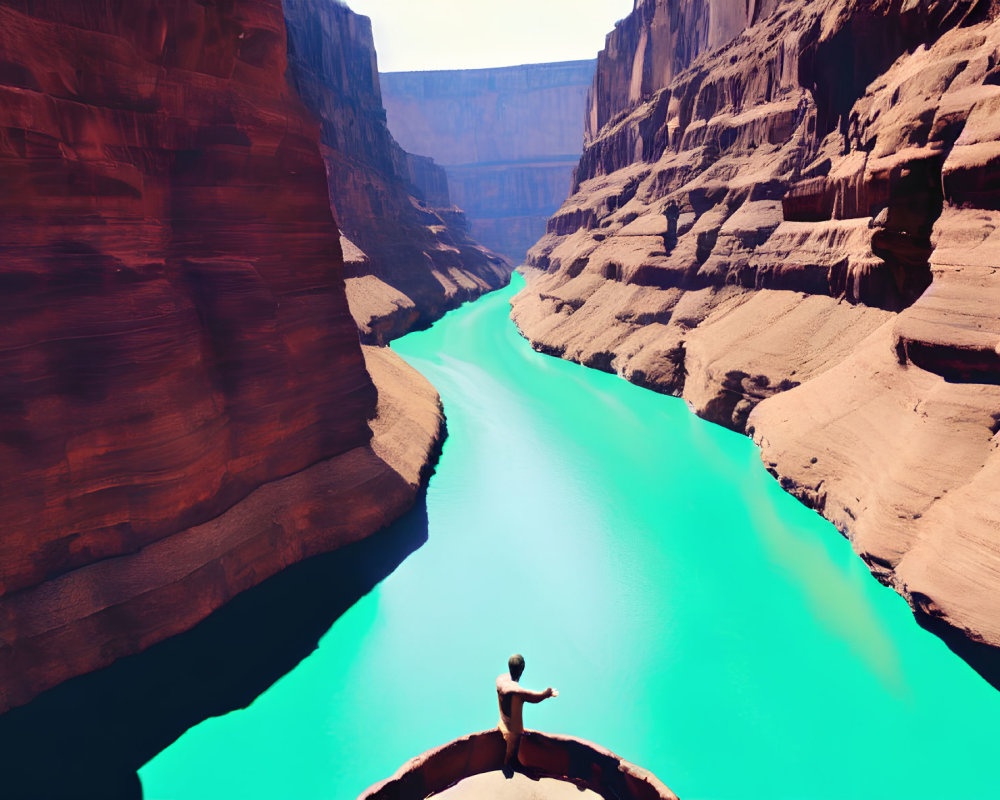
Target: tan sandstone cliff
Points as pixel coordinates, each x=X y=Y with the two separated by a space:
x=785 y=213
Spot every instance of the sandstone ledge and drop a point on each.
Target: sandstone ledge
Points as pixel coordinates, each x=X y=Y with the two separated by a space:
x=566 y=758
x=88 y=618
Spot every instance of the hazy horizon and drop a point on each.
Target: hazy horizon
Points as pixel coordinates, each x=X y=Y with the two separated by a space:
x=471 y=34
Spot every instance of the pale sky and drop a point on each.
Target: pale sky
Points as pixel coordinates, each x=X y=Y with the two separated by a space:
x=468 y=34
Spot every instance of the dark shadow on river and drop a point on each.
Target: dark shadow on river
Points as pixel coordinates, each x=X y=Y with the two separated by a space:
x=87 y=737
x=983 y=658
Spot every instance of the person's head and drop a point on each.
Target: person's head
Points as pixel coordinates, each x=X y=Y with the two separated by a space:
x=515 y=666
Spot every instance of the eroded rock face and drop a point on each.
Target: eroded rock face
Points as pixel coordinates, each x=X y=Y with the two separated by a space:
x=392 y=206
x=184 y=404
x=508 y=138
x=656 y=42
x=788 y=220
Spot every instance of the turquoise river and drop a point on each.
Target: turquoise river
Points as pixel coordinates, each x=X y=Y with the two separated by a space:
x=696 y=619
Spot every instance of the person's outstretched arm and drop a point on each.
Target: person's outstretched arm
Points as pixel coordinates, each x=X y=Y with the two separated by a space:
x=537 y=697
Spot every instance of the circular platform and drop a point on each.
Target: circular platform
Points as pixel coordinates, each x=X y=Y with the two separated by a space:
x=510 y=785
x=553 y=767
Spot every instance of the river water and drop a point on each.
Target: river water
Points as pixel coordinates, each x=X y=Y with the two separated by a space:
x=696 y=619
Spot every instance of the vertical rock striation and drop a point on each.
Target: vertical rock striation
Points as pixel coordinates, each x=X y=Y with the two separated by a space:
x=784 y=213
x=184 y=404
x=507 y=137
x=416 y=260
x=655 y=43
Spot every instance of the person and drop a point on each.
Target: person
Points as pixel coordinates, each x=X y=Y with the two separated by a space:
x=512 y=698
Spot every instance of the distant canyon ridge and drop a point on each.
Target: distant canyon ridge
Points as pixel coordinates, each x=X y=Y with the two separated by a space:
x=508 y=139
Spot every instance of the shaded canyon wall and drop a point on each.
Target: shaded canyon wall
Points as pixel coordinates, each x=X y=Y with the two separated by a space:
x=508 y=139
x=785 y=213
x=184 y=403
x=409 y=257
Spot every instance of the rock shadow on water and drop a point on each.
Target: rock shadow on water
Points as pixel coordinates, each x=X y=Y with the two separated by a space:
x=982 y=657
x=87 y=737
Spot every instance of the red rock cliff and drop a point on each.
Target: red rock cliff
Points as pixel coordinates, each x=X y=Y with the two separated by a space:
x=417 y=260
x=184 y=403
x=787 y=219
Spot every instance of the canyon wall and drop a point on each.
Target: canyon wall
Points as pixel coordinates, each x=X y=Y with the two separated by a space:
x=508 y=139
x=184 y=403
x=411 y=257
x=785 y=213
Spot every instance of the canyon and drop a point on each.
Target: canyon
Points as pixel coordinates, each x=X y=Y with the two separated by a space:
x=508 y=139
x=185 y=406
x=785 y=213
x=408 y=253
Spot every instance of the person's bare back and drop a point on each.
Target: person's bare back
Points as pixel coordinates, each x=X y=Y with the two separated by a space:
x=512 y=696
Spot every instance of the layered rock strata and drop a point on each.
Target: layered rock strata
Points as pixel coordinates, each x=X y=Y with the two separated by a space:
x=785 y=213
x=392 y=206
x=184 y=404
x=507 y=137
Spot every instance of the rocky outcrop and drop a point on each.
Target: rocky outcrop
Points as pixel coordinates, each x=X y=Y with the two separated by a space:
x=388 y=203
x=787 y=218
x=430 y=180
x=508 y=138
x=543 y=755
x=184 y=404
x=655 y=43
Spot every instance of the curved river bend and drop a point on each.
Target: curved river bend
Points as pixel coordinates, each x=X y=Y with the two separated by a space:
x=695 y=618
